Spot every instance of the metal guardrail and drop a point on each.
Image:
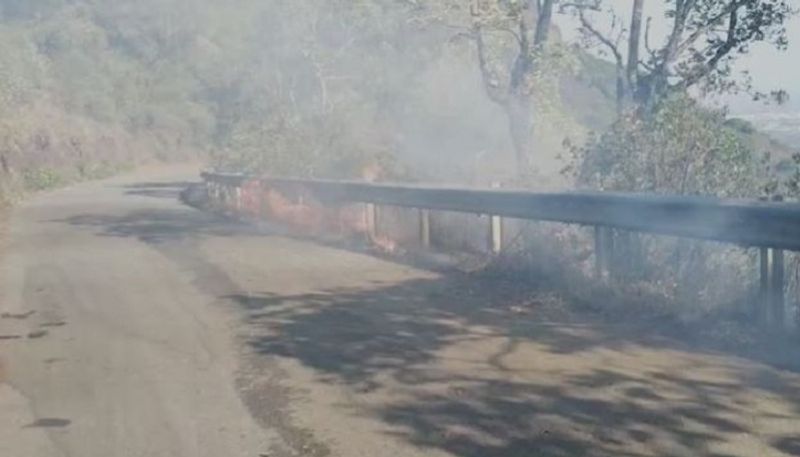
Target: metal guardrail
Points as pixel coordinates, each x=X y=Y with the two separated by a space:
x=771 y=226
x=744 y=222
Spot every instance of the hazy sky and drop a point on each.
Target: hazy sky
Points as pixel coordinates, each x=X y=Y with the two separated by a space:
x=771 y=69
x=775 y=69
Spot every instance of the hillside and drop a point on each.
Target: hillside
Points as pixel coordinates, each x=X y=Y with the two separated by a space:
x=784 y=127
x=88 y=88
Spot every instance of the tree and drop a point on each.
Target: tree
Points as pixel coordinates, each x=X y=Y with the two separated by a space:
x=532 y=20
x=703 y=40
x=682 y=149
x=510 y=37
x=301 y=88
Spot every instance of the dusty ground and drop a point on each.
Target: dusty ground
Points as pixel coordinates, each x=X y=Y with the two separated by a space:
x=156 y=316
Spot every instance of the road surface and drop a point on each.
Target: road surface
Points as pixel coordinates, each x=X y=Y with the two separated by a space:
x=135 y=326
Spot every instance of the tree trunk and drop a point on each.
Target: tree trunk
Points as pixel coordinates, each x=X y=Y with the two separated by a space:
x=535 y=21
x=543 y=23
x=651 y=90
x=623 y=92
x=634 y=45
x=521 y=125
x=520 y=102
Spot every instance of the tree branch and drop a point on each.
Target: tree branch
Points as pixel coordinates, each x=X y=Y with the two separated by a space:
x=582 y=5
x=514 y=34
x=543 y=22
x=650 y=51
x=469 y=32
x=709 y=26
x=634 y=40
x=490 y=83
x=587 y=25
x=731 y=41
x=682 y=9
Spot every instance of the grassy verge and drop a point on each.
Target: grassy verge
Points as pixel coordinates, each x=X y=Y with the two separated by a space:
x=15 y=186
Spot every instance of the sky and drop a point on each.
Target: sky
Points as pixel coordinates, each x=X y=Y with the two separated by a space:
x=771 y=69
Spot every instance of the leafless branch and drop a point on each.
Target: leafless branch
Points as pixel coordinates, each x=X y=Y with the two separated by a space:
x=606 y=41
x=466 y=31
x=577 y=6
x=516 y=35
x=650 y=51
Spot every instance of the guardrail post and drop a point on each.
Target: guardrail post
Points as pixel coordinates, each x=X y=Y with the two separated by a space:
x=371 y=215
x=210 y=193
x=495 y=229
x=764 y=285
x=611 y=252
x=425 y=228
x=778 y=299
x=223 y=196
x=777 y=293
x=603 y=252
x=599 y=252
x=496 y=234
x=237 y=202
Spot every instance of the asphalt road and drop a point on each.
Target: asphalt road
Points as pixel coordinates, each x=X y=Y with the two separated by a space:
x=109 y=349
x=122 y=329
x=135 y=326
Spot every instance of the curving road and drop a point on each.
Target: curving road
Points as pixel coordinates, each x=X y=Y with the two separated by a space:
x=134 y=326
x=122 y=334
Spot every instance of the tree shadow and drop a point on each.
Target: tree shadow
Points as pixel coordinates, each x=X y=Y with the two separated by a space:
x=789 y=445
x=166 y=190
x=49 y=422
x=160 y=225
x=163 y=190
x=405 y=337
x=605 y=396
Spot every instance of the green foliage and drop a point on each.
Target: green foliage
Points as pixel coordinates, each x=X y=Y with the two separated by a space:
x=88 y=87
x=682 y=149
x=42 y=179
x=285 y=86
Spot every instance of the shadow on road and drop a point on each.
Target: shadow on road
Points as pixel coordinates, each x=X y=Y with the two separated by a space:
x=789 y=445
x=160 y=225
x=449 y=365
x=483 y=380
x=166 y=190
x=49 y=422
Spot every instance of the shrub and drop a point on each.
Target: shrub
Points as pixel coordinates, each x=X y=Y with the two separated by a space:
x=683 y=149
